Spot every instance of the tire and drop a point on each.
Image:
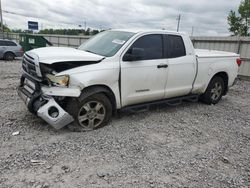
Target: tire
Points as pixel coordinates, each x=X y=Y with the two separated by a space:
x=9 y=56
x=214 y=91
x=90 y=113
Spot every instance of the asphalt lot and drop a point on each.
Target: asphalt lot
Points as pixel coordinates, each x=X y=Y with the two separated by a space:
x=190 y=145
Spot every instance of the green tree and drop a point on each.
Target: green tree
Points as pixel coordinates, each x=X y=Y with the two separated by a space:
x=94 y=32
x=235 y=23
x=5 y=28
x=69 y=31
x=87 y=32
x=244 y=10
x=239 y=23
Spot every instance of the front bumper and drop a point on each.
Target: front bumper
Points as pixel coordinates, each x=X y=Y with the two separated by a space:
x=42 y=105
x=61 y=119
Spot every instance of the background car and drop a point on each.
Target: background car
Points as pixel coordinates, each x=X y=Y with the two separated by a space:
x=10 y=49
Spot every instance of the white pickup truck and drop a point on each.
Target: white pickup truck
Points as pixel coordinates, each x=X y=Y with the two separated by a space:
x=119 y=69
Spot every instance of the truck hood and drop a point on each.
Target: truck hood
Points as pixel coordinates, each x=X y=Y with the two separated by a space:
x=50 y=55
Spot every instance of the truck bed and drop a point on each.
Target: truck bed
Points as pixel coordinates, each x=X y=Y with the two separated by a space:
x=201 y=53
x=212 y=61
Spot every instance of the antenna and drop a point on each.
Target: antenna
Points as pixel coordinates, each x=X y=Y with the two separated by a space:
x=192 y=33
x=179 y=20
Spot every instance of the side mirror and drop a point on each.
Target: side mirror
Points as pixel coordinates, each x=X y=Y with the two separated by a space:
x=135 y=54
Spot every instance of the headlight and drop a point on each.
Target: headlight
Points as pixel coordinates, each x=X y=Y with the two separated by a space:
x=61 y=80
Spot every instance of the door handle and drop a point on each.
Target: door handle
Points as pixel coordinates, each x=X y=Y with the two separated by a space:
x=162 y=66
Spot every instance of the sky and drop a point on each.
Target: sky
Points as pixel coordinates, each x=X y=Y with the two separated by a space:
x=207 y=17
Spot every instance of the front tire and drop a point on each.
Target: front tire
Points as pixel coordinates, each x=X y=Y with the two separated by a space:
x=214 y=91
x=90 y=113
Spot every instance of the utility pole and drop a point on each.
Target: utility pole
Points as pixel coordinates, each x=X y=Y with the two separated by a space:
x=1 y=15
x=85 y=25
x=179 y=20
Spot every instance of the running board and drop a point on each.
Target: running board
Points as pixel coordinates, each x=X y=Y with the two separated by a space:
x=171 y=102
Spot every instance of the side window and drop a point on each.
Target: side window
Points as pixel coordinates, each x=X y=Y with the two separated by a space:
x=147 y=47
x=10 y=43
x=174 y=46
x=2 y=43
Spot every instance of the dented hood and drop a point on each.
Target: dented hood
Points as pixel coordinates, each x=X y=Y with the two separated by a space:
x=50 y=55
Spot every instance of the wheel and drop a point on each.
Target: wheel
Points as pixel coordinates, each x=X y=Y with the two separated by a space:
x=90 y=113
x=214 y=91
x=9 y=56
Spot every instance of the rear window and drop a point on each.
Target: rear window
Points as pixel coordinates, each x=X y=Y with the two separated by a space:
x=174 y=46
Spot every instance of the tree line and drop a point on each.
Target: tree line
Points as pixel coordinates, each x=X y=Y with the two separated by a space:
x=88 y=31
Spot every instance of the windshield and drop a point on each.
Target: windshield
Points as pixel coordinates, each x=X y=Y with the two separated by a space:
x=106 y=43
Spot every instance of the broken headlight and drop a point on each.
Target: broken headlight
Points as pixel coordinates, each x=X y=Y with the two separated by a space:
x=60 y=80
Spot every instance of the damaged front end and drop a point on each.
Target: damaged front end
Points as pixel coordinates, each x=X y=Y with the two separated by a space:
x=43 y=97
x=49 y=108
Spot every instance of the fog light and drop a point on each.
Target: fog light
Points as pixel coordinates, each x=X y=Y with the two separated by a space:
x=53 y=112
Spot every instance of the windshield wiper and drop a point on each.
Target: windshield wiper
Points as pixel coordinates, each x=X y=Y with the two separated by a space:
x=91 y=52
x=94 y=53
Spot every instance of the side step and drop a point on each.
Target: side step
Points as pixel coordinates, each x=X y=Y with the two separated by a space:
x=171 y=102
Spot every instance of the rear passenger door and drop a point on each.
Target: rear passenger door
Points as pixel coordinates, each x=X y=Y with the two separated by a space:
x=182 y=67
x=11 y=46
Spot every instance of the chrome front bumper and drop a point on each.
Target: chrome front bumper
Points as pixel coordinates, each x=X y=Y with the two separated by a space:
x=43 y=106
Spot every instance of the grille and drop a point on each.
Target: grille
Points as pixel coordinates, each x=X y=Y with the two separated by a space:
x=29 y=66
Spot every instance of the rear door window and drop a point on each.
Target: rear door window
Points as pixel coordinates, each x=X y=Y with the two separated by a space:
x=10 y=43
x=7 y=43
x=174 y=46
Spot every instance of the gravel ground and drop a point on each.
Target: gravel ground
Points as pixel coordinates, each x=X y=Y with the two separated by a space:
x=190 y=145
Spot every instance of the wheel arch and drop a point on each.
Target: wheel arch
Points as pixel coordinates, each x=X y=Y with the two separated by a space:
x=94 y=89
x=9 y=52
x=225 y=78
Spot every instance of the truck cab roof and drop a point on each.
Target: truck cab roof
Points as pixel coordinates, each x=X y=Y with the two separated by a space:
x=138 y=31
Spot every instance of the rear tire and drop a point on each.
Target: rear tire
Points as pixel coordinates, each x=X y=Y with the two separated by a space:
x=214 y=91
x=89 y=113
x=9 y=56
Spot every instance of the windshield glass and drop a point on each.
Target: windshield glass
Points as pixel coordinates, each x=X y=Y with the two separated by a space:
x=106 y=43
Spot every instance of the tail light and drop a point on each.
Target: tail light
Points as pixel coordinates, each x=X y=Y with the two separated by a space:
x=238 y=61
x=22 y=51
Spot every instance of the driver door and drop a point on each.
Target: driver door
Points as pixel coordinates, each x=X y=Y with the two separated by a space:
x=144 y=71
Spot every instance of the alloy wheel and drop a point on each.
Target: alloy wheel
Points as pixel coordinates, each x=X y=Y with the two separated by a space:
x=91 y=115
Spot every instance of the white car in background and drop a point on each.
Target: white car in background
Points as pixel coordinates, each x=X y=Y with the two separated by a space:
x=10 y=49
x=121 y=69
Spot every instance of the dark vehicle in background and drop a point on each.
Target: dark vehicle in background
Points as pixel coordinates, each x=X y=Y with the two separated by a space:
x=10 y=49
